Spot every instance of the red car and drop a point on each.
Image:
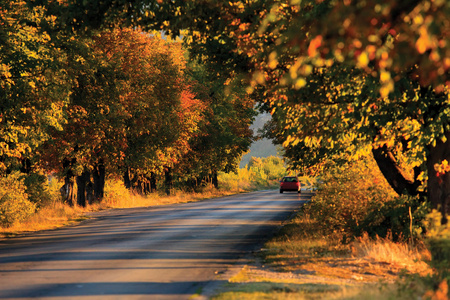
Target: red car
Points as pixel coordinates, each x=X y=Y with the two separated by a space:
x=290 y=183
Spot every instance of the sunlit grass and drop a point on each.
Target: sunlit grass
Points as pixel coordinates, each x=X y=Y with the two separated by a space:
x=400 y=255
x=302 y=262
x=57 y=214
x=50 y=216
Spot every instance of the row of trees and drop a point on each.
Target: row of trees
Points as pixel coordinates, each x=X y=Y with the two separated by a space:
x=341 y=78
x=86 y=103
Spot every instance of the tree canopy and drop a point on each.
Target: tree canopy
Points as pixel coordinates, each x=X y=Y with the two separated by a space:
x=337 y=75
x=85 y=98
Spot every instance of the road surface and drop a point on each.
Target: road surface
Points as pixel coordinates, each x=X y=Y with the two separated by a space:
x=161 y=252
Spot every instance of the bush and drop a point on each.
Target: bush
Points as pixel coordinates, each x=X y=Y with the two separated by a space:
x=392 y=218
x=37 y=189
x=354 y=199
x=438 y=241
x=259 y=173
x=14 y=204
x=116 y=192
x=265 y=172
x=347 y=195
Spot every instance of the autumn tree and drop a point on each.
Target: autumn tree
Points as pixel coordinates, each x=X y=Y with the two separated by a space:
x=396 y=51
x=33 y=87
x=166 y=111
x=130 y=112
x=223 y=135
x=381 y=84
x=386 y=63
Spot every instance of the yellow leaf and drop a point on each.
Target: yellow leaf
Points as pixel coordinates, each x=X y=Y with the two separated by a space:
x=363 y=60
x=273 y=62
x=299 y=83
x=259 y=77
x=385 y=76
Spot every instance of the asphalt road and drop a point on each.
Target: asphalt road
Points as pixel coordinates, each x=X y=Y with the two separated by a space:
x=161 y=252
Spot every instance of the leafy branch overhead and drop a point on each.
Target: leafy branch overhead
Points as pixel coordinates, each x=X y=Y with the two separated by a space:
x=83 y=99
x=341 y=78
x=338 y=76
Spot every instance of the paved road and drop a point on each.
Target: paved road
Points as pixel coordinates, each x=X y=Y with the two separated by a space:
x=163 y=252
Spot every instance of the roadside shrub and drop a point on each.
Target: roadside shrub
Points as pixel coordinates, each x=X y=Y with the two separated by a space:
x=265 y=172
x=393 y=218
x=438 y=241
x=37 y=189
x=346 y=196
x=241 y=180
x=116 y=192
x=14 y=204
x=259 y=173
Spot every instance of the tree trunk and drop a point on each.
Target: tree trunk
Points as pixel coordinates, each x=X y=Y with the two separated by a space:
x=215 y=181
x=395 y=176
x=168 y=180
x=138 y=187
x=67 y=189
x=99 y=181
x=152 y=182
x=438 y=187
x=147 y=186
x=82 y=181
x=90 y=191
x=26 y=166
x=126 y=178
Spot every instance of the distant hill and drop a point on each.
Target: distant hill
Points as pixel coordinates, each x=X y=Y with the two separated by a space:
x=260 y=148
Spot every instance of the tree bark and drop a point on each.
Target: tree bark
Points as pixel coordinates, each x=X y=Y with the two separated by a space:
x=152 y=182
x=67 y=189
x=82 y=181
x=168 y=180
x=394 y=175
x=147 y=186
x=215 y=181
x=438 y=187
x=89 y=191
x=126 y=178
x=99 y=181
x=26 y=166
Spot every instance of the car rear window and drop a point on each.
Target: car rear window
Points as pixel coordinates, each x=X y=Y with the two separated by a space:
x=290 y=179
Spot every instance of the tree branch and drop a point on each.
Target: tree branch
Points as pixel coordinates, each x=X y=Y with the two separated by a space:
x=393 y=173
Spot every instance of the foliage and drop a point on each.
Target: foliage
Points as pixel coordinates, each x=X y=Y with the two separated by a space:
x=335 y=81
x=259 y=173
x=400 y=219
x=33 y=84
x=14 y=203
x=223 y=131
x=116 y=192
x=355 y=198
x=267 y=169
x=438 y=240
x=77 y=97
x=37 y=189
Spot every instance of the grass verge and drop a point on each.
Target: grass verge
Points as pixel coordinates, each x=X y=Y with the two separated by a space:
x=57 y=214
x=300 y=262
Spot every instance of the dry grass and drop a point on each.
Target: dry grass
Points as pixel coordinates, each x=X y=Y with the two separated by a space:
x=398 y=255
x=49 y=217
x=304 y=263
x=57 y=214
